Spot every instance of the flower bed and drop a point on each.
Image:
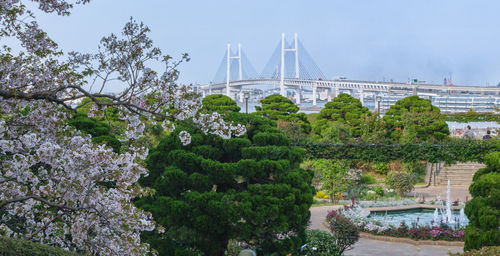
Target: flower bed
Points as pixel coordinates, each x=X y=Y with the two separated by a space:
x=391 y=203
x=441 y=232
x=413 y=231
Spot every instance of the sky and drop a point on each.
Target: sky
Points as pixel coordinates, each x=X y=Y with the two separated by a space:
x=359 y=39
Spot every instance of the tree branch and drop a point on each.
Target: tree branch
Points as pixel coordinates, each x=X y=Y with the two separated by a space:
x=43 y=200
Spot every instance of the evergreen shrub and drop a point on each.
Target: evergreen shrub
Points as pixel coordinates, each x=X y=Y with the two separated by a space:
x=323 y=242
x=483 y=210
x=15 y=247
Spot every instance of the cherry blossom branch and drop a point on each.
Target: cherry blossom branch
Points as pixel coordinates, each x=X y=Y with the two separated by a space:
x=45 y=226
x=43 y=200
x=44 y=95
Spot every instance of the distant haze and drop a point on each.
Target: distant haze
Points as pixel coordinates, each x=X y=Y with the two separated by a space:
x=358 y=39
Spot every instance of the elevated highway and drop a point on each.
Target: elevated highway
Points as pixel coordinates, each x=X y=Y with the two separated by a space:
x=355 y=86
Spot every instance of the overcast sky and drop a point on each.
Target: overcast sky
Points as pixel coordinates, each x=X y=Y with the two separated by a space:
x=359 y=39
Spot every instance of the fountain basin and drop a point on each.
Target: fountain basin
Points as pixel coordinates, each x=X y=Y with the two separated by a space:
x=420 y=216
x=410 y=207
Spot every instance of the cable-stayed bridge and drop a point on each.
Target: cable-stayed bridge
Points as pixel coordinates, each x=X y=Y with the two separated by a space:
x=291 y=69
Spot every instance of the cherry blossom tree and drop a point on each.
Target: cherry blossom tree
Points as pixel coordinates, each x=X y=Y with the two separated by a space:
x=56 y=186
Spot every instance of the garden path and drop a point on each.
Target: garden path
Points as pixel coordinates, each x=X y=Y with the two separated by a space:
x=431 y=192
x=368 y=247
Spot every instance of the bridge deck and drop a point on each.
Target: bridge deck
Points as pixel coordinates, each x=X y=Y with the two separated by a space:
x=352 y=84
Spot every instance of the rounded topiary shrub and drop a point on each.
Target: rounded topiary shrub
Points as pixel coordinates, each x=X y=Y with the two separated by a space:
x=219 y=103
x=322 y=243
x=483 y=210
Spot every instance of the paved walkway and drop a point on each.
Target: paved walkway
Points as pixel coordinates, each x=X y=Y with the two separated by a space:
x=368 y=247
x=432 y=192
x=318 y=215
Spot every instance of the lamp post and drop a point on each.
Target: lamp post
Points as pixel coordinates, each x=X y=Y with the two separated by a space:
x=378 y=99
x=247 y=95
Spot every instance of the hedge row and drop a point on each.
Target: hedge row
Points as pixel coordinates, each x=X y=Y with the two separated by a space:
x=451 y=152
x=473 y=117
x=15 y=247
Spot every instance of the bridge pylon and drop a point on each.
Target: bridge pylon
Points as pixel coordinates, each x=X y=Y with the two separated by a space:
x=282 y=71
x=228 y=67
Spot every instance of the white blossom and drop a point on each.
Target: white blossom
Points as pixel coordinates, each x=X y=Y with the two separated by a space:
x=68 y=191
x=185 y=138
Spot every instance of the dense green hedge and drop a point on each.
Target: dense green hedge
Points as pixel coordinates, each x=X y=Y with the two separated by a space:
x=453 y=151
x=15 y=247
x=473 y=117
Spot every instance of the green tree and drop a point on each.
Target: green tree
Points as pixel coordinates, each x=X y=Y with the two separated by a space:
x=336 y=132
x=424 y=127
x=212 y=190
x=219 y=103
x=109 y=113
x=414 y=119
x=100 y=131
x=343 y=109
x=334 y=176
x=153 y=129
x=416 y=167
x=277 y=107
x=401 y=182
x=483 y=210
x=291 y=129
x=373 y=129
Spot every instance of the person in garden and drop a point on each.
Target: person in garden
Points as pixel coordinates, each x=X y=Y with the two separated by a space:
x=468 y=134
x=487 y=136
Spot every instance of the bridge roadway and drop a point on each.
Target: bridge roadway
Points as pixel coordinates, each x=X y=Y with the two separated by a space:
x=361 y=87
x=352 y=84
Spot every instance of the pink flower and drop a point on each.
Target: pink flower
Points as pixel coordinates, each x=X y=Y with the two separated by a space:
x=435 y=233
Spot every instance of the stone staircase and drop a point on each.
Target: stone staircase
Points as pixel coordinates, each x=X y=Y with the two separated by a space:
x=458 y=174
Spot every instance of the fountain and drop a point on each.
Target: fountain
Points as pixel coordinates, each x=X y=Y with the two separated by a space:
x=448 y=205
x=436 y=216
x=442 y=214
x=445 y=213
x=463 y=219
